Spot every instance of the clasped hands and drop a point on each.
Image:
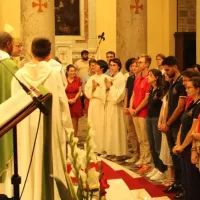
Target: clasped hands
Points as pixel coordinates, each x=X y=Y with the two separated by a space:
x=72 y=101
x=108 y=84
x=133 y=112
x=177 y=149
x=163 y=127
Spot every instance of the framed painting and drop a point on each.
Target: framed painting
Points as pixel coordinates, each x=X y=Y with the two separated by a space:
x=69 y=18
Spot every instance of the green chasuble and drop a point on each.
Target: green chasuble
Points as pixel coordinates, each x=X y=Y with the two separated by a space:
x=6 y=142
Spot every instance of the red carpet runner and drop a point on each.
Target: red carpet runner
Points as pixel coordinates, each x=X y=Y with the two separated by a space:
x=132 y=183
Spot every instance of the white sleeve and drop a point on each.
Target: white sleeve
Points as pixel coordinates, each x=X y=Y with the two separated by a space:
x=88 y=89
x=15 y=86
x=66 y=117
x=117 y=90
x=64 y=79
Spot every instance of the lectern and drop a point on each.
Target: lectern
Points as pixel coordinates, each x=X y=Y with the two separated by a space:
x=10 y=121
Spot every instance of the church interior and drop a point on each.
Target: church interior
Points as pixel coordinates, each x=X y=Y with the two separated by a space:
x=127 y=27
x=128 y=32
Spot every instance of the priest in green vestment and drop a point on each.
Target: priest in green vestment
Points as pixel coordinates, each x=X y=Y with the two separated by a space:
x=6 y=47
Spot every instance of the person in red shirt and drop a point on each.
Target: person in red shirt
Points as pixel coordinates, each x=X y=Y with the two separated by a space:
x=138 y=109
x=73 y=92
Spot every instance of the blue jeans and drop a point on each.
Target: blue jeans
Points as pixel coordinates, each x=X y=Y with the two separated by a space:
x=154 y=137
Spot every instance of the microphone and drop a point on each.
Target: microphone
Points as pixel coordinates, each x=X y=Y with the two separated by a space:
x=33 y=92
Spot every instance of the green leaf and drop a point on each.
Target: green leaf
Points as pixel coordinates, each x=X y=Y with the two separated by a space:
x=69 y=183
x=62 y=189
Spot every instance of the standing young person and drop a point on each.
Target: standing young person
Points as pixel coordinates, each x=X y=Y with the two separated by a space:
x=95 y=91
x=115 y=131
x=132 y=137
x=73 y=92
x=176 y=107
x=138 y=109
x=153 y=133
x=47 y=159
x=189 y=120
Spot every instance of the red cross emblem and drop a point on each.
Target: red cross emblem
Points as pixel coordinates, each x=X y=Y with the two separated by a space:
x=40 y=5
x=136 y=6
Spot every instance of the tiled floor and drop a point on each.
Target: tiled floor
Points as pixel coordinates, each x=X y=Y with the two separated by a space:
x=129 y=168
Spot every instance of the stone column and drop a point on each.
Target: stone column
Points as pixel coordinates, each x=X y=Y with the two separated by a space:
x=37 y=20
x=131 y=28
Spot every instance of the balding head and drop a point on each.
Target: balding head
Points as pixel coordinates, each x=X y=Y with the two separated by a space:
x=6 y=42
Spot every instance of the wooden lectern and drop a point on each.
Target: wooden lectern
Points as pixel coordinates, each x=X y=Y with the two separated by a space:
x=11 y=123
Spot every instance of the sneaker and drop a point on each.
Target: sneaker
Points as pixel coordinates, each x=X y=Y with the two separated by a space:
x=139 y=163
x=167 y=182
x=158 y=176
x=133 y=159
x=152 y=173
x=103 y=155
x=111 y=157
x=144 y=169
x=121 y=158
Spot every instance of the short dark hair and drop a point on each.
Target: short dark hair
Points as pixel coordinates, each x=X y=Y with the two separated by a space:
x=84 y=52
x=70 y=66
x=157 y=73
x=110 y=52
x=190 y=72
x=103 y=65
x=4 y=39
x=170 y=61
x=117 y=61
x=92 y=61
x=128 y=63
x=41 y=47
x=195 y=81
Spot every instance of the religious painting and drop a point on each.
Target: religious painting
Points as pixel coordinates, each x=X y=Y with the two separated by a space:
x=67 y=17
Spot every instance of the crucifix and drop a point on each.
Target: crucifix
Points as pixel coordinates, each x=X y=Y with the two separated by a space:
x=40 y=5
x=136 y=6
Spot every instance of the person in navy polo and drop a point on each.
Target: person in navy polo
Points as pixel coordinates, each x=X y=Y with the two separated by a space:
x=176 y=107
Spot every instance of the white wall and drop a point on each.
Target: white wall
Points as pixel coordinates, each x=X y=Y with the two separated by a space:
x=106 y=22
x=161 y=25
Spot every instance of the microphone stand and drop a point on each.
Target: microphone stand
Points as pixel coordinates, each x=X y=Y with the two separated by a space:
x=100 y=37
x=16 y=179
